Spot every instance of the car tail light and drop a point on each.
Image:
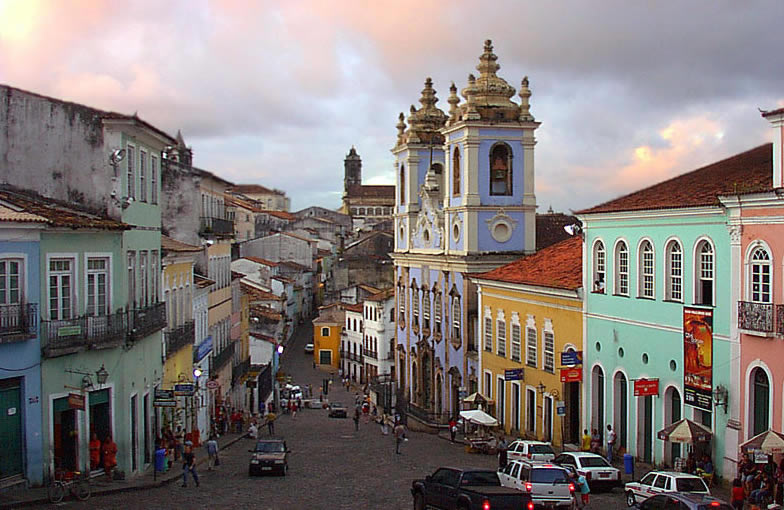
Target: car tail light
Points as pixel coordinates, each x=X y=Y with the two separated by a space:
x=528 y=455
x=530 y=505
x=571 y=487
x=528 y=486
x=486 y=505
x=715 y=503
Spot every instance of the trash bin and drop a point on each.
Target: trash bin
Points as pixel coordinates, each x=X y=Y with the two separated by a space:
x=160 y=460
x=628 y=464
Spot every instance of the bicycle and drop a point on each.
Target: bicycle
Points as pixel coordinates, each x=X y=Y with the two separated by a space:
x=70 y=481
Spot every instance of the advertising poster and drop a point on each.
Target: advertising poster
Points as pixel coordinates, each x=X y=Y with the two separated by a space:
x=698 y=357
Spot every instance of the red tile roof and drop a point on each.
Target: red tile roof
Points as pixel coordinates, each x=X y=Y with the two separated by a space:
x=202 y=281
x=773 y=112
x=294 y=265
x=365 y=191
x=747 y=172
x=383 y=295
x=354 y=308
x=8 y=214
x=283 y=215
x=169 y=244
x=260 y=260
x=259 y=294
x=57 y=213
x=558 y=266
x=550 y=228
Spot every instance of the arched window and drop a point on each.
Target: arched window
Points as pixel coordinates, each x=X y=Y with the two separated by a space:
x=760 y=276
x=645 y=270
x=361 y=211
x=456 y=172
x=760 y=387
x=414 y=304
x=402 y=184
x=437 y=306
x=425 y=308
x=674 y=269
x=456 y=317
x=704 y=274
x=500 y=170
x=621 y=269
x=401 y=303
x=599 y=267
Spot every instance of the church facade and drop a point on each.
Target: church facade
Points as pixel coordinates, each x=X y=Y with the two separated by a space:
x=364 y=202
x=464 y=204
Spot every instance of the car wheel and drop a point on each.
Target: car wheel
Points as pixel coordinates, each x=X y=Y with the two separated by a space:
x=419 y=501
x=630 y=499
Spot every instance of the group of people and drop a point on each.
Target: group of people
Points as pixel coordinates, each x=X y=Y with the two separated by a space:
x=593 y=442
x=103 y=454
x=758 y=483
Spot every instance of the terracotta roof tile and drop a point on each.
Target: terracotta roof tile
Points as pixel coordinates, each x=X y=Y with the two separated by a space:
x=283 y=279
x=747 y=172
x=259 y=294
x=57 y=213
x=169 y=244
x=364 y=191
x=293 y=265
x=260 y=260
x=383 y=295
x=283 y=215
x=550 y=228
x=254 y=188
x=558 y=266
x=368 y=288
x=354 y=308
x=202 y=281
x=8 y=214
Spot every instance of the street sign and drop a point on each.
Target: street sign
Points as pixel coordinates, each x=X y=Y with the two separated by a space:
x=646 y=387
x=572 y=358
x=183 y=390
x=560 y=408
x=571 y=374
x=164 y=395
x=212 y=384
x=164 y=403
x=513 y=374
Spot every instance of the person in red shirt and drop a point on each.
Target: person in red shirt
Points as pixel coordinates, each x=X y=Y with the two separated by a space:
x=109 y=455
x=738 y=494
x=95 y=452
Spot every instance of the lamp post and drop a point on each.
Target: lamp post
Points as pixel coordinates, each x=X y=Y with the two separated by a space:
x=720 y=397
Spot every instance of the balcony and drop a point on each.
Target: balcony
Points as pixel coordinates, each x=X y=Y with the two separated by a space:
x=780 y=320
x=179 y=337
x=18 y=322
x=146 y=321
x=60 y=337
x=370 y=354
x=756 y=317
x=217 y=226
x=237 y=371
x=223 y=357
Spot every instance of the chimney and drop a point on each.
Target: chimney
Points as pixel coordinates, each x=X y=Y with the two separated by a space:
x=776 y=118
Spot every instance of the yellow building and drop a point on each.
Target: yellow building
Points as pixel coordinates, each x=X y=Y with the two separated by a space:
x=219 y=319
x=326 y=335
x=530 y=313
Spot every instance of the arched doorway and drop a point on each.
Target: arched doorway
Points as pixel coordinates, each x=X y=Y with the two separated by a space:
x=645 y=428
x=439 y=388
x=414 y=383
x=457 y=380
x=597 y=399
x=760 y=401
x=672 y=413
x=427 y=377
x=621 y=408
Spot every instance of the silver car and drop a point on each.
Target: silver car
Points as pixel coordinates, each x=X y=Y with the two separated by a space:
x=548 y=484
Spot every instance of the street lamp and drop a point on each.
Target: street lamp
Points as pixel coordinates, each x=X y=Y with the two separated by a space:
x=197 y=372
x=101 y=375
x=720 y=396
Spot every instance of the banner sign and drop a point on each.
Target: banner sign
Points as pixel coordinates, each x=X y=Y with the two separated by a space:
x=164 y=395
x=698 y=357
x=514 y=374
x=572 y=358
x=571 y=374
x=183 y=390
x=646 y=388
x=164 y=403
x=203 y=349
x=76 y=401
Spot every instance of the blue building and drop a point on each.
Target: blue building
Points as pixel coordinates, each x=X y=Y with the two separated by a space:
x=20 y=347
x=464 y=204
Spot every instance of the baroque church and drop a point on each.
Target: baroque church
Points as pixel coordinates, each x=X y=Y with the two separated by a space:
x=464 y=204
x=364 y=202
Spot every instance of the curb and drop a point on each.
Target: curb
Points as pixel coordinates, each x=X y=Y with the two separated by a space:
x=115 y=490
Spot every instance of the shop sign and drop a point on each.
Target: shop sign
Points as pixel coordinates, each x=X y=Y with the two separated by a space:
x=164 y=403
x=183 y=390
x=571 y=375
x=203 y=349
x=514 y=374
x=76 y=401
x=212 y=384
x=646 y=388
x=572 y=358
x=560 y=408
x=164 y=395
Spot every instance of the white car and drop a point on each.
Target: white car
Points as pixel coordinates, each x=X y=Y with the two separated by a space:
x=595 y=468
x=523 y=449
x=548 y=484
x=662 y=482
x=308 y=348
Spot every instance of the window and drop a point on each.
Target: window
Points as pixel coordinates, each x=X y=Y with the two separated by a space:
x=60 y=289
x=456 y=172
x=674 y=270
x=501 y=170
x=621 y=269
x=645 y=265
x=153 y=180
x=488 y=333
x=599 y=265
x=760 y=276
x=142 y=176
x=10 y=281
x=155 y=294
x=488 y=385
x=131 y=279
x=515 y=340
x=549 y=351
x=324 y=331
x=704 y=274
x=401 y=296
x=437 y=318
x=144 y=280
x=97 y=286
x=456 y=317
x=414 y=305
x=530 y=357
x=402 y=184
x=425 y=308
x=131 y=172
x=501 y=334
x=500 y=399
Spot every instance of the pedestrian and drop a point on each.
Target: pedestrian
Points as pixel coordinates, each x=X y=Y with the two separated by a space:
x=271 y=423
x=95 y=452
x=738 y=494
x=293 y=409
x=253 y=431
x=452 y=428
x=596 y=440
x=212 y=452
x=585 y=491
x=189 y=464
x=109 y=456
x=586 y=441
x=384 y=426
x=502 y=455
x=356 y=419
x=400 y=436
x=610 y=443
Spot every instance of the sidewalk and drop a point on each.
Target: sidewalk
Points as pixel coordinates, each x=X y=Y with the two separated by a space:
x=18 y=496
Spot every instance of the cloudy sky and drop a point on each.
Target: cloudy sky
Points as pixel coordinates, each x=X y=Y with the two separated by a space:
x=276 y=92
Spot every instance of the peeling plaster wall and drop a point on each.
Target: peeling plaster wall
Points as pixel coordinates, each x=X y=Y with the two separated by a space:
x=180 y=203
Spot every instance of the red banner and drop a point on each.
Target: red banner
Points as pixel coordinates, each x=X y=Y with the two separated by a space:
x=698 y=357
x=571 y=374
x=646 y=387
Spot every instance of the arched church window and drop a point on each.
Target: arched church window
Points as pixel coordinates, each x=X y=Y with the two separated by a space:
x=456 y=172
x=402 y=184
x=500 y=170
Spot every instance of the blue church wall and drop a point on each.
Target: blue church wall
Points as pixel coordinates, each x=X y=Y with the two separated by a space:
x=484 y=174
x=485 y=240
x=22 y=360
x=460 y=242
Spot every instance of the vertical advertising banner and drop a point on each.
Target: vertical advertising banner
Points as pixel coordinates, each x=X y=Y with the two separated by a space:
x=698 y=357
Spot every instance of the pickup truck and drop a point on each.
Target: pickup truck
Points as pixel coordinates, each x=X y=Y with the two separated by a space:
x=466 y=489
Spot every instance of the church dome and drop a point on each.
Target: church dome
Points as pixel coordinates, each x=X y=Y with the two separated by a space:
x=426 y=122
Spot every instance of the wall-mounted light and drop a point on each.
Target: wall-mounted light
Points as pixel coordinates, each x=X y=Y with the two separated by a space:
x=720 y=396
x=197 y=372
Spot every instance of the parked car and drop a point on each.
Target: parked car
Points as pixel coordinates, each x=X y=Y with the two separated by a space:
x=269 y=456
x=595 y=469
x=466 y=489
x=308 y=348
x=337 y=410
x=683 y=501
x=523 y=449
x=663 y=482
x=548 y=484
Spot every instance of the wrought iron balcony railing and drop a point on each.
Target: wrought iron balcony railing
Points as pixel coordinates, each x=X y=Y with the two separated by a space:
x=780 y=320
x=757 y=317
x=218 y=226
x=179 y=337
x=146 y=321
x=18 y=322
x=223 y=357
x=370 y=354
x=59 y=337
x=237 y=371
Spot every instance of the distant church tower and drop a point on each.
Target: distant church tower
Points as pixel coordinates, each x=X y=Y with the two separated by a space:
x=353 y=170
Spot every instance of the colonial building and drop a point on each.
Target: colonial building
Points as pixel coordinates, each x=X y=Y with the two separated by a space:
x=464 y=204
x=364 y=202
x=269 y=199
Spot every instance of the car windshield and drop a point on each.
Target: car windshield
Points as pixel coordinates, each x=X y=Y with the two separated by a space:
x=594 y=462
x=690 y=485
x=336 y=404
x=541 y=448
x=489 y=478
x=270 y=447
x=548 y=475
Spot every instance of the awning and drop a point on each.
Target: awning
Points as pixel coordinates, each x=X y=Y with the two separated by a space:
x=478 y=417
x=476 y=397
x=768 y=442
x=685 y=431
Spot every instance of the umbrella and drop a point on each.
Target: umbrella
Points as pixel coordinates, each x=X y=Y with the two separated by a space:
x=475 y=398
x=479 y=417
x=685 y=431
x=769 y=442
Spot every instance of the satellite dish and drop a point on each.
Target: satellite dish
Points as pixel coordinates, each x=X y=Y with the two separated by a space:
x=573 y=229
x=117 y=156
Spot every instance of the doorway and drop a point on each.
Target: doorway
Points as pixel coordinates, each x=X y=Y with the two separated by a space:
x=134 y=434
x=621 y=408
x=11 y=461
x=66 y=436
x=645 y=428
x=572 y=413
x=597 y=394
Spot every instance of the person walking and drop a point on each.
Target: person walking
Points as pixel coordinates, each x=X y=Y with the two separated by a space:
x=582 y=487
x=452 y=428
x=253 y=431
x=212 y=452
x=610 y=443
x=400 y=436
x=271 y=423
x=596 y=441
x=502 y=455
x=586 y=441
x=189 y=464
x=356 y=419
